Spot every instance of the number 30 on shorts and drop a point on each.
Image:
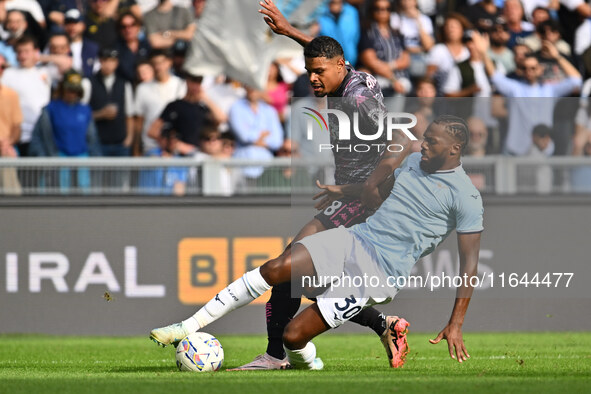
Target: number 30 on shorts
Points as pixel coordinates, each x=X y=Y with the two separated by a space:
x=349 y=312
x=332 y=208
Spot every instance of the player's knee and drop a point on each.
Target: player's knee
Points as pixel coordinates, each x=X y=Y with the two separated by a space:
x=277 y=270
x=293 y=338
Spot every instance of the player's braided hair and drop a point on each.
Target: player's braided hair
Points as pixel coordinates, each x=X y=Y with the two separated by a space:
x=323 y=46
x=456 y=127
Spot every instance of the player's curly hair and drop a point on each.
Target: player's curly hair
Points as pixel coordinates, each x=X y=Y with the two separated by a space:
x=456 y=127
x=324 y=46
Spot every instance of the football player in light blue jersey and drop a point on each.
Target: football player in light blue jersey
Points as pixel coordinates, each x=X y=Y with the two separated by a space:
x=431 y=196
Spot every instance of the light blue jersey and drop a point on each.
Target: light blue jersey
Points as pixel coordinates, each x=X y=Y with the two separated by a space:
x=419 y=214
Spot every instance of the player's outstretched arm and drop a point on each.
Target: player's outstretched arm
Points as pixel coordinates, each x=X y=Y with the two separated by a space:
x=277 y=22
x=469 y=247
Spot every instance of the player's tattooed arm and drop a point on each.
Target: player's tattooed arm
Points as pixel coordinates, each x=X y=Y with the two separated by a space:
x=468 y=247
x=277 y=22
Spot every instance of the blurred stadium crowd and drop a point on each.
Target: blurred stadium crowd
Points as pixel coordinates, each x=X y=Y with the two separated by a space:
x=105 y=77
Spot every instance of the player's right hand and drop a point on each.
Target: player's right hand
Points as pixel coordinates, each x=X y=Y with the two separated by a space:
x=452 y=333
x=274 y=18
x=330 y=193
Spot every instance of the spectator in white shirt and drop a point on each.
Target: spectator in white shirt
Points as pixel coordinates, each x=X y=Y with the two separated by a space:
x=32 y=84
x=152 y=97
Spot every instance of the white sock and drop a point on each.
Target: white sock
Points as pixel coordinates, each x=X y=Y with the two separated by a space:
x=302 y=358
x=239 y=293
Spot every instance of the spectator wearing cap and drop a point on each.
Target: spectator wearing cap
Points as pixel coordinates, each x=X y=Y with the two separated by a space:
x=152 y=97
x=499 y=53
x=132 y=49
x=56 y=12
x=100 y=23
x=483 y=15
x=167 y=24
x=111 y=101
x=33 y=85
x=84 y=51
x=185 y=119
x=66 y=129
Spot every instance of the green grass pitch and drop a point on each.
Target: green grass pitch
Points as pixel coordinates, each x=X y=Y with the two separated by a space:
x=500 y=363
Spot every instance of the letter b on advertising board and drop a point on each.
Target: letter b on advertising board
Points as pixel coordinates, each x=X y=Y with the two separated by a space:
x=205 y=268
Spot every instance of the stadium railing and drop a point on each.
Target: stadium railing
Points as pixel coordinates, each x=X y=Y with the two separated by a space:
x=501 y=175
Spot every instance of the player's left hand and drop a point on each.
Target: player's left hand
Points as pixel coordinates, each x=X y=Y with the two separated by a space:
x=452 y=333
x=330 y=193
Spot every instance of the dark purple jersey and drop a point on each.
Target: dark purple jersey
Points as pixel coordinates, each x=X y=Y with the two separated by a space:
x=358 y=93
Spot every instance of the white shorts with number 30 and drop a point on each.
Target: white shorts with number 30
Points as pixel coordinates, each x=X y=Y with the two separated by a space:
x=337 y=253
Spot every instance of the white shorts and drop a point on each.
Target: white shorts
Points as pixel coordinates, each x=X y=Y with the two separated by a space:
x=350 y=268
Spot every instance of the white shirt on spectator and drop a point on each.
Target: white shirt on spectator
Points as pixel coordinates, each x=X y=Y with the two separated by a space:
x=409 y=28
x=583 y=37
x=427 y=7
x=441 y=57
x=33 y=86
x=148 y=5
x=151 y=99
x=454 y=80
x=76 y=49
x=224 y=95
x=480 y=108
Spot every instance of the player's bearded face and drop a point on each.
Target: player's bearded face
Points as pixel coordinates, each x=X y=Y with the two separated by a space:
x=435 y=148
x=325 y=75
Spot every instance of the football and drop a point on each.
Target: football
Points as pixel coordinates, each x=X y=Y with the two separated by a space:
x=199 y=352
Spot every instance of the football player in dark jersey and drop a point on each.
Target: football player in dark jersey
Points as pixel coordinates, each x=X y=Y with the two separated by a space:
x=349 y=91
x=363 y=174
